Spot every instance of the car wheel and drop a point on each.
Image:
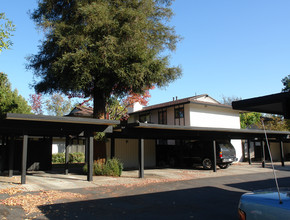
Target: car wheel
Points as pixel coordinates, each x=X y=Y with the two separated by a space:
x=207 y=164
x=224 y=166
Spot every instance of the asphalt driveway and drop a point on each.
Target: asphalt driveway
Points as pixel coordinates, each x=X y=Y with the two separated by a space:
x=196 y=195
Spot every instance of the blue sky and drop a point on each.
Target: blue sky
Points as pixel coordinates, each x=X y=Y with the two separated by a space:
x=230 y=48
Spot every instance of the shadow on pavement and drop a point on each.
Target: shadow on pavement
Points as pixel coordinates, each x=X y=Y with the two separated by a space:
x=196 y=203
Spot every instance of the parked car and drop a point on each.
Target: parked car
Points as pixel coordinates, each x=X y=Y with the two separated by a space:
x=198 y=152
x=201 y=152
x=265 y=204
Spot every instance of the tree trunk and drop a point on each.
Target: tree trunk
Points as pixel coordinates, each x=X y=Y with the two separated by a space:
x=99 y=105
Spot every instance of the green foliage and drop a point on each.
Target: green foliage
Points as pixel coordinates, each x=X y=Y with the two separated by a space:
x=58 y=158
x=286 y=84
x=101 y=48
x=6 y=29
x=275 y=123
x=99 y=168
x=77 y=157
x=112 y=167
x=250 y=119
x=57 y=105
x=10 y=101
x=115 y=108
x=100 y=136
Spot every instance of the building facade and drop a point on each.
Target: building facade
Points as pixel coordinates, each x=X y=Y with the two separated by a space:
x=196 y=111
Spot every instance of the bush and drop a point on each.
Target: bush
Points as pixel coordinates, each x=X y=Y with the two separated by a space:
x=58 y=158
x=78 y=157
x=112 y=167
x=98 y=168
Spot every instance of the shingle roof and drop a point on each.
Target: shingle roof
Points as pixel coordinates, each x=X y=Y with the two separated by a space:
x=81 y=111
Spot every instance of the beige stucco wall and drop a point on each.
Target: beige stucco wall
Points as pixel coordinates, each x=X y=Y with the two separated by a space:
x=275 y=150
x=286 y=148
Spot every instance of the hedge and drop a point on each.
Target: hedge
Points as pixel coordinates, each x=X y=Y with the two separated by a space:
x=78 y=157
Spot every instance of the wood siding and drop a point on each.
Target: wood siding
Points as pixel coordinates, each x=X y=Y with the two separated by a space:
x=126 y=150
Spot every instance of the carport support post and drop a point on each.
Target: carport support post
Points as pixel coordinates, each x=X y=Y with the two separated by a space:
x=66 y=155
x=24 y=159
x=214 y=156
x=282 y=153
x=263 y=154
x=90 y=149
x=249 y=151
x=141 y=158
x=11 y=156
x=112 y=147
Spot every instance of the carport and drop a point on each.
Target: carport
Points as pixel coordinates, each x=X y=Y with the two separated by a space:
x=278 y=103
x=29 y=126
x=143 y=131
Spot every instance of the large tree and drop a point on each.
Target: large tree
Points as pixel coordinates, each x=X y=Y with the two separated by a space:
x=104 y=48
x=10 y=100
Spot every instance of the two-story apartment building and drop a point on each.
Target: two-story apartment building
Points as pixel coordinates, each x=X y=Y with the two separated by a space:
x=197 y=111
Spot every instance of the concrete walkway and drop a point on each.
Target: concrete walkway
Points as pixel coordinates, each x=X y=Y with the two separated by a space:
x=50 y=181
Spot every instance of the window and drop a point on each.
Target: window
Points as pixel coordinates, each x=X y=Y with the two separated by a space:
x=179 y=112
x=144 y=118
x=162 y=117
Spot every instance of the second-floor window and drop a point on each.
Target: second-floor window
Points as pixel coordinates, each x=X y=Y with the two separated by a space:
x=179 y=112
x=162 y=117
x=144 y=118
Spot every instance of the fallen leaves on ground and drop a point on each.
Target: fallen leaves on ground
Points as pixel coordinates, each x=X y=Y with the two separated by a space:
x=30 y=202
x=12 y=190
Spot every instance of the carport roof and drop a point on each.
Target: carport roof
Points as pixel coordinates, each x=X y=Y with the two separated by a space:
x=19 y=124
x=158 y=131
x=275 y=104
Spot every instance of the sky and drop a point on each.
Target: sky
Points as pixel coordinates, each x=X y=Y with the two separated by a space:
x=230 y=48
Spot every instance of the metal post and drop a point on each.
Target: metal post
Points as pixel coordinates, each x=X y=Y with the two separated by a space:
x=249 y=152
x=141 y=158
x=67 y=142
x=90 y=148
x=24 y=159
x=11 y=156
x=263 y=154
x=214 y=156
x=112 y=148
x=282 y=154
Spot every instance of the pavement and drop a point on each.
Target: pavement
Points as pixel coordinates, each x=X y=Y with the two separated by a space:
x=161 y=194
x=55 y=180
